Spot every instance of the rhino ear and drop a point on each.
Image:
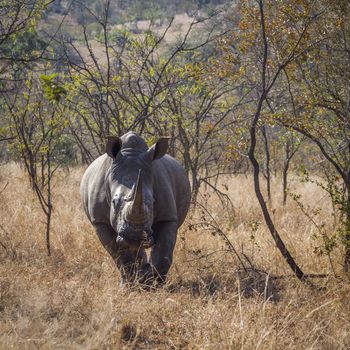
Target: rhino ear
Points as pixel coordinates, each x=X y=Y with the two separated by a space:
x=113 y=146
x=159 y=149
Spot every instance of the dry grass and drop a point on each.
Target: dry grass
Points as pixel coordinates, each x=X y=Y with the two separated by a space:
x=73 y=300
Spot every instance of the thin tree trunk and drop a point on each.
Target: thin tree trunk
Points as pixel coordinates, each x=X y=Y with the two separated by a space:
x=48 y=227
x=195 y=186
x=285 y=182
x=265 y=90
x=347 y=232
x=285 y=174
x=275 y=235
x=267 y=153
x=49 y=204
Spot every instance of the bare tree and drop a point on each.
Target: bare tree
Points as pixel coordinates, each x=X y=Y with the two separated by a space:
x=266 y=83
x=37 y=126
x=129 y=86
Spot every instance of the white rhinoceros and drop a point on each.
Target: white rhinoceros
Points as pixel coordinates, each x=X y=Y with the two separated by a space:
x=137 y=197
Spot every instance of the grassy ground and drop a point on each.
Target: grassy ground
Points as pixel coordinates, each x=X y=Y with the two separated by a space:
x=73 y=299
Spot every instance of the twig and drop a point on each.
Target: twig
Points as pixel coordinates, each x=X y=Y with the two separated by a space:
x=4 y=187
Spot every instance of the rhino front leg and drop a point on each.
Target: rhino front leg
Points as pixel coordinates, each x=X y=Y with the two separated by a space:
x=129 y=261
x=162 y=252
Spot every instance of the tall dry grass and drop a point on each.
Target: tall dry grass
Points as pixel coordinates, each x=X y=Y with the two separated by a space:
x=73 y=299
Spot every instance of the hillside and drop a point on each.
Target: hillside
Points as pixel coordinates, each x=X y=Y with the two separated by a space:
x=122 y=11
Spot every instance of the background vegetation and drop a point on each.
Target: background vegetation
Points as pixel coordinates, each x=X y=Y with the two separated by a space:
x=255 y=96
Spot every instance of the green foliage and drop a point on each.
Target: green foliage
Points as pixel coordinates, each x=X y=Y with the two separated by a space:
x=338 y=195
x=20 y=45
x=52 y=89
x=325 y=240
x=23 y=45
x=36 y=125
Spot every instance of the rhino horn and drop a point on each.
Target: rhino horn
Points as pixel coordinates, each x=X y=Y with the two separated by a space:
x=137 y=213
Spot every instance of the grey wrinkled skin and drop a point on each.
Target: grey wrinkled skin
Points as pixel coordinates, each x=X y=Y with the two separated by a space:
x=136 y=198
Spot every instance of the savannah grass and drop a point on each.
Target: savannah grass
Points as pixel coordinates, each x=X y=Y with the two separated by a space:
x=74 y=300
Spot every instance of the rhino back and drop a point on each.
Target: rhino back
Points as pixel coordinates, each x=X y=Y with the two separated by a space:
x=93 y=190
x=172 y=191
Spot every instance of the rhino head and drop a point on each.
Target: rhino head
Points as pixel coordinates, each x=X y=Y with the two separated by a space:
x=131 y=187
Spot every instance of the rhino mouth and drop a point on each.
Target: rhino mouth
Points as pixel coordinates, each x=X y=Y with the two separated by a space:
x=146 y=241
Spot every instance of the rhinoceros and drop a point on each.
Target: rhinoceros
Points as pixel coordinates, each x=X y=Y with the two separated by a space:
x=136 y=198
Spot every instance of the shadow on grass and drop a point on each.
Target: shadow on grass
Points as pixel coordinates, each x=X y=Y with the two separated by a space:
x=248 y=283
